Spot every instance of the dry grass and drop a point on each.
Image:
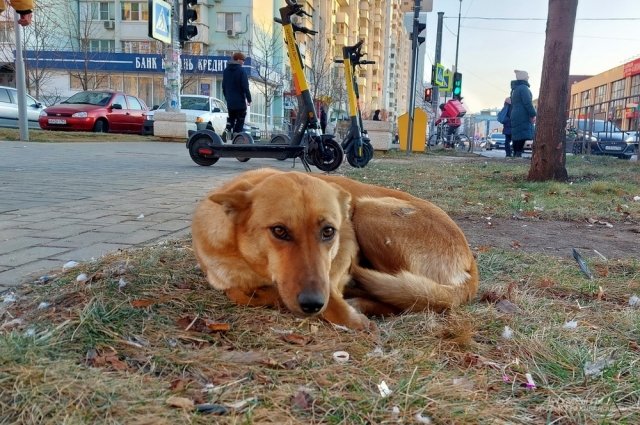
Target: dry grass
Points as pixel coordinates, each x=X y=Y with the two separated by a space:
x=76 y=136
x=101 y=353
x=145 y=328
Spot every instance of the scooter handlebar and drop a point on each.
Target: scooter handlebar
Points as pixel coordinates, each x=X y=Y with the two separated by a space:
x=367 y=62
x=297 y=28
x=338 y=61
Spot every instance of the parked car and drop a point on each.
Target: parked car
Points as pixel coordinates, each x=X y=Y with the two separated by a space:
x=205 y=111
x=9 y=108
x=600 y=138
x=496 y=141
x=100 y=111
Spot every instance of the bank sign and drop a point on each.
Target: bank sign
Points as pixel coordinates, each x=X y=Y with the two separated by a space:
x=125 y=62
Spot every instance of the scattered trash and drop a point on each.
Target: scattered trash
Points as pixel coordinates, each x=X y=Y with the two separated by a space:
x=421 y=419
x=384 y=389
x=341 y=356
x=507 y=333
x=377 y=352
x=44 y=279
x=506 y=306
x=582 y=263
x=636 y=198
x=506 y=379
x=181 y=402
x=82 y=278
x=69 y=265
x=572 y=324
x=9 y=298
x=395 y=412
x=600 y=255
x=140 y=217
x=634 y=301
x=212 y=409
x=592 y=369
x=122 y=283
x=43 y=305
x=240 y=405
x=30 y=332
x=531 y=384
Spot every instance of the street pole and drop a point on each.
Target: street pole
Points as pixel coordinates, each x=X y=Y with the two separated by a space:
x=435 y=93
x=414 y=65
x=458 y=35
x=172 y=64
x=21 y=85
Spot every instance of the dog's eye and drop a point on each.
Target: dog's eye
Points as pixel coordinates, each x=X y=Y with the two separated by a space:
x=328 y=233
x=281 y=232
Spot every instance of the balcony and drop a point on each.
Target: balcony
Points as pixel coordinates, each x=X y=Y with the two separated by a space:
x=343 y=17
x=364 y=5
x=343 y=3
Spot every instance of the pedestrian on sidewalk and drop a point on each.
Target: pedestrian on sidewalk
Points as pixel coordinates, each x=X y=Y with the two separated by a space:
x=523 y=114
x=235 y=88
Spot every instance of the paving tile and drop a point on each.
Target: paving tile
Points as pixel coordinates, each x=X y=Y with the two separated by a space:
x=89 y=253
x=28 y=272
x=29 y=255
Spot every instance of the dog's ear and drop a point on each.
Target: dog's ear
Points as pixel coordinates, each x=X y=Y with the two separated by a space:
x=344 y=198
x=234 y=199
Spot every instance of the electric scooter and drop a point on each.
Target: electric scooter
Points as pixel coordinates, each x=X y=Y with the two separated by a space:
x=323 y=151
x=356 y=144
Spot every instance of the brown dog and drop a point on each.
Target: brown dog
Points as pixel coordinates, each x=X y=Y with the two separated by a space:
x=270 y=237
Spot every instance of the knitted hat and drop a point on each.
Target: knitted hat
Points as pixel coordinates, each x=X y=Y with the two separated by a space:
x=521 y=75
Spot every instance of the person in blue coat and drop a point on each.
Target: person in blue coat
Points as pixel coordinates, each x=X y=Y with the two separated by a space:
x=523 y=114
x=235 y=87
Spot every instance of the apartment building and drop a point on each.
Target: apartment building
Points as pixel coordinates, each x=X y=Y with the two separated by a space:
x=612 y=95
x=74 y=45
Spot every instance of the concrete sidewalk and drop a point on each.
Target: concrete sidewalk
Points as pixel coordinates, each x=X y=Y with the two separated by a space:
x=78 y=201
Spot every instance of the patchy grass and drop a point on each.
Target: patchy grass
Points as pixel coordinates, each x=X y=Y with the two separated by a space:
x=145 y=333
x=13 y=134
x=598 y=188
x=146 y=328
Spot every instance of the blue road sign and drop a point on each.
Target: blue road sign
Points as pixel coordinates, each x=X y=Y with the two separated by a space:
x=160 y=20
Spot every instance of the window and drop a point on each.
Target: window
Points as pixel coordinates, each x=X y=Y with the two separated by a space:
x=134 y=103
x=635 y=85
x=6 y=31
x=103 y=11
x=617 y=89
x=228 y=21
x=119 y=99
x=102 y=45
x=586 y=98
x=147 y=46
x=4 y=96
x=135 y=11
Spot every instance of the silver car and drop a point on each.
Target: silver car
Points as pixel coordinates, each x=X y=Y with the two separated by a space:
x=9 y=108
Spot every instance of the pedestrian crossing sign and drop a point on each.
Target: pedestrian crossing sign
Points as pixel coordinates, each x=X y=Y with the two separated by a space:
x=160 y=20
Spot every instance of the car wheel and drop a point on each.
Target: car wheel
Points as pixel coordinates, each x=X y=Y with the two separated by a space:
x=101 y=126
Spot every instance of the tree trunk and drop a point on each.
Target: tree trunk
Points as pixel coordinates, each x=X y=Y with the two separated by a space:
x=548 y=161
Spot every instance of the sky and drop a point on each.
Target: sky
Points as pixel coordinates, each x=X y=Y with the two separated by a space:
x=511 y=34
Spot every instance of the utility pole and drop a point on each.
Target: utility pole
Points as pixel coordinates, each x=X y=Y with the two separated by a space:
x=172 y=64
x=21 y=85
x=438 y=56
x=458 y=35
x=412 y=83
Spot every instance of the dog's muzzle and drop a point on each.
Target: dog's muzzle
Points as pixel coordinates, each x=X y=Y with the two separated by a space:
x=311 y=302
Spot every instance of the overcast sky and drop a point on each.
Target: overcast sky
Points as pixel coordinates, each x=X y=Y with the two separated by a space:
x=498 y=36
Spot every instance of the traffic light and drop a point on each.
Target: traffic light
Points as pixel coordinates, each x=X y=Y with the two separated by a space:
x=457 y=85
x=421 y=39
x=427 y=94
x=189 y=15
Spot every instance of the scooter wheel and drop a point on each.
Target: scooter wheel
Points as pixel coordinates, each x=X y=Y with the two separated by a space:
x=331 y=159
x=201 y=142
x=360 y=162
x=241 y=139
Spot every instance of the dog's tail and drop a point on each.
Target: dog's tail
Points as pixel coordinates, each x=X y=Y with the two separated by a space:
x=411 y=292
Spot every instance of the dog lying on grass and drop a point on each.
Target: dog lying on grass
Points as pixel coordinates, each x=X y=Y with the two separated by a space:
x=270 y=238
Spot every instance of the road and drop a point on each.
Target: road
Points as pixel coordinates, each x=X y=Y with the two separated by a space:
x=78 y=201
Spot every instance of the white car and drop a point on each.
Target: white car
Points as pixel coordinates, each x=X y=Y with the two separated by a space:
x=207 y=112
x=9 y=108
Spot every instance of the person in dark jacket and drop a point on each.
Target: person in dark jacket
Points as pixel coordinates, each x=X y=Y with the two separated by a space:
x=506 y=127
x=376 y=115
x=523 y=114
x=235 y=87
x=323 y=120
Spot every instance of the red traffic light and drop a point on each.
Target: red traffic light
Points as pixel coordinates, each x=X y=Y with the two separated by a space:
x=428 y=92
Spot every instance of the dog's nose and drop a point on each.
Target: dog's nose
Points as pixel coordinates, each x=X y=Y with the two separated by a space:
x=311 y=302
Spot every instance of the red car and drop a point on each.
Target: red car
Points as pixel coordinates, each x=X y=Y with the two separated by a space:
x=101 y=111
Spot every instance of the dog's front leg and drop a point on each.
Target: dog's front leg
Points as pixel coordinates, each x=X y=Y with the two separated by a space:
x=338 y=311
x=264 y=296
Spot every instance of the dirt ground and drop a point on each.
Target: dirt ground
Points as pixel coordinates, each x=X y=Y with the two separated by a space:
x=554 y=238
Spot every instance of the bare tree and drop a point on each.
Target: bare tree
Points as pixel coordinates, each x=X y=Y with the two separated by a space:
x=549 y=159
x=319 y=74
x=267 y=60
